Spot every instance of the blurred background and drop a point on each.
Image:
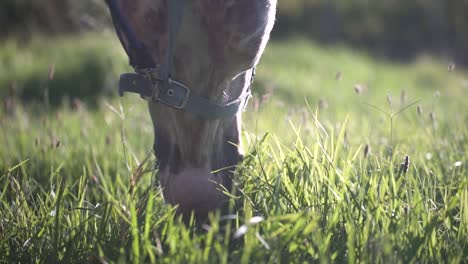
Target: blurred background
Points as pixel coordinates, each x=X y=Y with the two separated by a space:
x=397 y=30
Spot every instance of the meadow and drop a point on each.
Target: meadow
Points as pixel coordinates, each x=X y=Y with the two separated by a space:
x=349 y=158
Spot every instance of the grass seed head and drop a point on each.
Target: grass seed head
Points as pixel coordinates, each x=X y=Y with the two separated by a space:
x=451 y=67
x=345 y=139
x=95 y=179
x=338 y=76
x=265 y=98
x=290 y=114
x=404 y=167
x=55 y=142
x=367 y=150
x=305 y=117
x=428 y=156
x=389 y=99
x=256 y=104
x=51 y=72
x=9 y=105
x=323 y=104
x=420 y=110
x=403 y=96
x=358 y=88
x=77 y=104
x=406 y=164
x=108 y=140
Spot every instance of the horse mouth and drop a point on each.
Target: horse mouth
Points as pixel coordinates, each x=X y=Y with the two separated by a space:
x=194 y=190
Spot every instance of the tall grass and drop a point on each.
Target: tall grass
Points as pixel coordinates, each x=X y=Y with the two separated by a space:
x=318 y=183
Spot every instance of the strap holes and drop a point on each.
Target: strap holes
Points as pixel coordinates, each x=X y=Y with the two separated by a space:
x=170 y=92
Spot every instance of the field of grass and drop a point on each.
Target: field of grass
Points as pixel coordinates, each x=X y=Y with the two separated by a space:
x=350 y=158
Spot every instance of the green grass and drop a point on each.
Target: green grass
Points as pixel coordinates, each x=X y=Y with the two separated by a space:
x=83 y=67
x=319 y=183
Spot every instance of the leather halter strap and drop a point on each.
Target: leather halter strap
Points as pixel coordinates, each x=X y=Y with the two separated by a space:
x=153 y=82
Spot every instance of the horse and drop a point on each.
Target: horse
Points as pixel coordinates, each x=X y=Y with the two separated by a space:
x=194 y=62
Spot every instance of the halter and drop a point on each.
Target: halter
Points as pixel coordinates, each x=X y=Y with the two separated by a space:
x=153 y=82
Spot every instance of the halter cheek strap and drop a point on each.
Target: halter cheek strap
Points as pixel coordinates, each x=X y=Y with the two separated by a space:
x=153 y=82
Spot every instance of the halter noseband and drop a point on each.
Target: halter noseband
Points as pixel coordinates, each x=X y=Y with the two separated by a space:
x=153 y=82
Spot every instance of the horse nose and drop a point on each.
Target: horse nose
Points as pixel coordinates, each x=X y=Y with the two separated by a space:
x=193 y=190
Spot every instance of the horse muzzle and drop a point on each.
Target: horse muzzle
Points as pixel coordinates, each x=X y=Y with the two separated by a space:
x=193 y=190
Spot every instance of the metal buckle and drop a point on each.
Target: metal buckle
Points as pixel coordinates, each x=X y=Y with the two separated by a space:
x=178 y=85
